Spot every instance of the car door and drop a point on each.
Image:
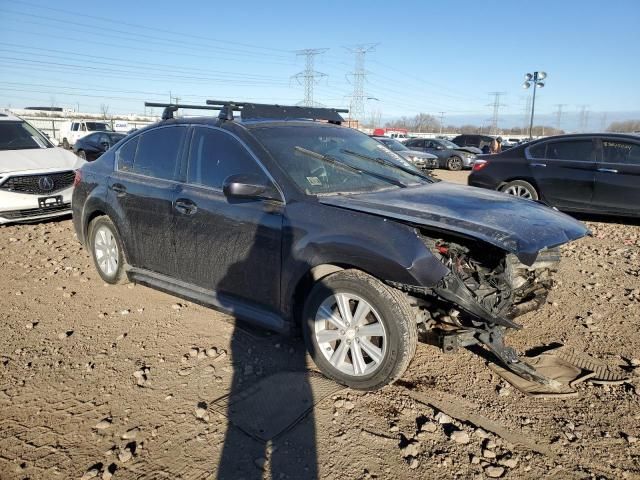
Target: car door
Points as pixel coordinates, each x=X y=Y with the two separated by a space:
x=143 y=190
x=617 y=177
x=416 y=144
x=228 y=245
x=564 y=171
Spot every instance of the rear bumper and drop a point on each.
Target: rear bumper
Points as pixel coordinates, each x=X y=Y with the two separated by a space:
x=25 y=207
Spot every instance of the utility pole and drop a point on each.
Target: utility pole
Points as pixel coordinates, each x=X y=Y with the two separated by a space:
x=441 y=120
x=359 y=75
x=527 y=113
x=559 y=114
x=496 y=107
x=309 y=75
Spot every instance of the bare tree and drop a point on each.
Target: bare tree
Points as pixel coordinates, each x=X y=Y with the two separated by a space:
x=628 y=126
x=104 y=110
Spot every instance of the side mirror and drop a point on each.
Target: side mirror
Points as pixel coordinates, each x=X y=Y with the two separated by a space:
x=249 y=186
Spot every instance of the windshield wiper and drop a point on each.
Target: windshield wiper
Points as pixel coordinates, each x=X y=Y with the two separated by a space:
x=345 y=166
x=382 y=161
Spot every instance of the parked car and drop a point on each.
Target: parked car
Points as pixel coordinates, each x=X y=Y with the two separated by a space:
x=308 y=225
x=449 y=154
x=420 y=160
x=482 y=142
x=71 y=132
x=95 y=144
x=595 y=173
x=36 y=178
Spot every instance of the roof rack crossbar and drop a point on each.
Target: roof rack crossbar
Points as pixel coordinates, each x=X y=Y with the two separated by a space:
x=264 y=111
x=170 y=108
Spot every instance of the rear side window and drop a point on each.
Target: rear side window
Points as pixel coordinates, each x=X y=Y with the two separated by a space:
x=537 y=151
x=214 y=155
x=126 y=154
x=581 y=150
x=158 y=152
x=614 y=151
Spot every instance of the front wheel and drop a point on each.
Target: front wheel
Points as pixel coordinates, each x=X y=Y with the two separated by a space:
x=359 y=331
x=520 y=188
x=454 y=163
x=106 y=250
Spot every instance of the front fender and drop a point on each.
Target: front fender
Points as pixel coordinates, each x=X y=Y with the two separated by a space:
x=389 y=250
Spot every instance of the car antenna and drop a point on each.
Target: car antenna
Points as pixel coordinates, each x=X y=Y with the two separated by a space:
x=170 y=108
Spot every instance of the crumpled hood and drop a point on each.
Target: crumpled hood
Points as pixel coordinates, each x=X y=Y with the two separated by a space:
x=474 y=150
x=38 y=159
x=522 y=227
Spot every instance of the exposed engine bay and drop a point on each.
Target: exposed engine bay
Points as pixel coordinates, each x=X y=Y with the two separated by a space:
x=485 y=290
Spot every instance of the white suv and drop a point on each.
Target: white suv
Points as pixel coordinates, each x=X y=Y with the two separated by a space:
x=36 y=178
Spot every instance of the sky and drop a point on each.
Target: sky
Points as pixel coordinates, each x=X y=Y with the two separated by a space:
x=425 y=56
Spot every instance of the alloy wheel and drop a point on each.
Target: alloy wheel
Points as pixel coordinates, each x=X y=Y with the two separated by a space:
x=350 y=334
x=105 y=249
x=519 y=191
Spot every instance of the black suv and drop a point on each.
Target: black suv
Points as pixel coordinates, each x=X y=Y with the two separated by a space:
x=293 y=222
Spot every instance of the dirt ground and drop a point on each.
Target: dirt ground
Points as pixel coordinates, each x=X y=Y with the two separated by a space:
x=100 y=381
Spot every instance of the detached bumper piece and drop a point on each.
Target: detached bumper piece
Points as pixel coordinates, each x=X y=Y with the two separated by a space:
x=493 y=339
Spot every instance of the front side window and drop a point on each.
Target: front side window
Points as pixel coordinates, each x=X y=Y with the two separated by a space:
x=580 y=150
x=158 y=152
x=330 y=160
x=21 y=136
x=615 y=151
x=97 y=127
x=215 y=155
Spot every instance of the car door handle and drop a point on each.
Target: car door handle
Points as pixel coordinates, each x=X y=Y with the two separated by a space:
x=608 y=170
x=119 y=189
x=539 y=165
x=185 y=206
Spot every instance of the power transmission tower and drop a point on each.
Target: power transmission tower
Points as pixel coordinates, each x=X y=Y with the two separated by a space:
x=359 y=76
x=496 y=108
x=441 y=120
x=584 y=118
x=559 y=114
x=604 y=122
x=309 y=76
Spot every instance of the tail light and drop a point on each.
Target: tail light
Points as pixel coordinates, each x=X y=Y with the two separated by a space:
x=77 y=178
x=479 y=165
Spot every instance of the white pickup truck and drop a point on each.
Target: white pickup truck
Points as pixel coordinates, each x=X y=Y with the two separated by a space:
x=70 y=132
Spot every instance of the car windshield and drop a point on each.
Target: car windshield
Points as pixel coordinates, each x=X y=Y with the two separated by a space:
x=448 y=144
x=332 y=160
x=394 y=145
x=98 y=127
x=21 y=136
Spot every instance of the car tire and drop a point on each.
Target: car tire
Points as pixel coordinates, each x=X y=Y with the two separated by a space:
x=65 y=144
x=454 y=163
x=521 y=189
x=106 y=250
x=382 y=353
x=82 y=155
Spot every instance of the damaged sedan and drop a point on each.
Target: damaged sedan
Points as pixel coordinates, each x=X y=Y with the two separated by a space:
x=288 y=220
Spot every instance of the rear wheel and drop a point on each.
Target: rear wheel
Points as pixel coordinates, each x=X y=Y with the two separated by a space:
x=520 y=188
x=106 y=250
x=359 y=331
x=454 y=163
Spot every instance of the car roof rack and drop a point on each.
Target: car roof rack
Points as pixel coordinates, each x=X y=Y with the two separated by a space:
x=170 y=108
x=254 y=111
